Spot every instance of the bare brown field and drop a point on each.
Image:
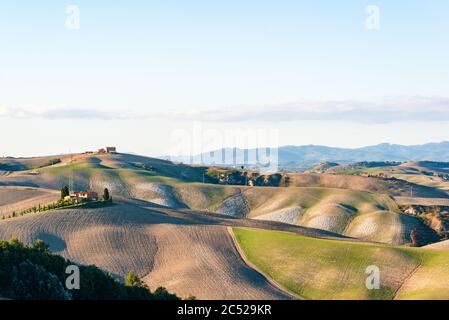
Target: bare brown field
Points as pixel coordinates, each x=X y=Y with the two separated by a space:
x=17 y=199
x=203 y=261
x=188 y=253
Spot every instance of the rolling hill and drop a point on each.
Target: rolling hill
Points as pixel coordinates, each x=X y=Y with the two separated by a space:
x=363 y=215
x=188 y=253
x=350 y=205
x=170 y=224
x=429 y=174
x=325 y=269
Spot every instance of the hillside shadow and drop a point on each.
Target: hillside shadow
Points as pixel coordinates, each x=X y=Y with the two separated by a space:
x=55 y=243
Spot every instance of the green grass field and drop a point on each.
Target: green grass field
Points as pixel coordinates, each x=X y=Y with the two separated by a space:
x=330 y=269
x=358 y=171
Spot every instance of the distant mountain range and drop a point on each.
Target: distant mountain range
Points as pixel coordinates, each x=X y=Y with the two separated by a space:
x=302 y=157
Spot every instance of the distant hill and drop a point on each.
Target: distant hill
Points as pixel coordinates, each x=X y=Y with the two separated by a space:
x=304 y=157
x=323 y=167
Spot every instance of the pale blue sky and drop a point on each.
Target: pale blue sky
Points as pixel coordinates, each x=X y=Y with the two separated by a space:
x=142 y=69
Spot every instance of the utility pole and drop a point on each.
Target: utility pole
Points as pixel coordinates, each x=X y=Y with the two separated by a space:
x=71 y=175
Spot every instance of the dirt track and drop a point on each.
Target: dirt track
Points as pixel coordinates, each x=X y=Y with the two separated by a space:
x=422 y=201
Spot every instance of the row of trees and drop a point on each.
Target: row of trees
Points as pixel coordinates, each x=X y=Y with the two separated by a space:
x=39 y=208
x=33 y=273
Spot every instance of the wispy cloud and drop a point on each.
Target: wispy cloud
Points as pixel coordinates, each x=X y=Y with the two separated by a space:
x=398 y=109
x=395 y=109
x=62 y=113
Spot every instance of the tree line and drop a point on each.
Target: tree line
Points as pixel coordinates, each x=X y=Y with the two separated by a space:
x=32 y=272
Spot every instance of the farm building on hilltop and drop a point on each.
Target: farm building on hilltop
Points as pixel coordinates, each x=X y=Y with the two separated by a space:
x=83 y=196
x=108 y=150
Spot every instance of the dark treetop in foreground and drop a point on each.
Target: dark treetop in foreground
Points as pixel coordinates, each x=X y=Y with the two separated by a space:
x=33 y=273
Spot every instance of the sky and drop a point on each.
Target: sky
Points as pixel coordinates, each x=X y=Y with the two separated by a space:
x=169 y=77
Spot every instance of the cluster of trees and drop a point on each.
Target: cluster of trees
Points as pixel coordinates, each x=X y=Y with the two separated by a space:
x=421 y=236
x=376 y=164
x=242 y=177
x=31 y=272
